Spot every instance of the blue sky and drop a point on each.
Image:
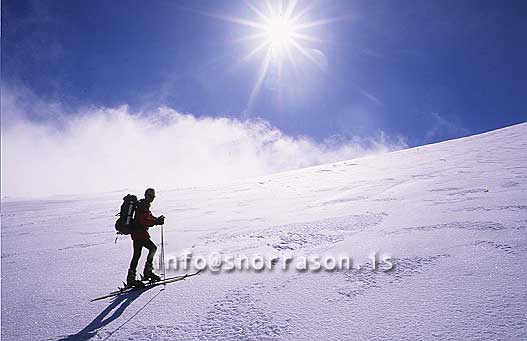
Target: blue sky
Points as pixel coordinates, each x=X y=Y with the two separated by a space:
x=393 y=66
x=403 y=73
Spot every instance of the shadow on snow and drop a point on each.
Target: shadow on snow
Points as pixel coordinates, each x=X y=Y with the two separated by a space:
x=119 y=303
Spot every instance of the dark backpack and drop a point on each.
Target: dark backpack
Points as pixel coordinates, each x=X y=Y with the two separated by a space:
x=124 y=224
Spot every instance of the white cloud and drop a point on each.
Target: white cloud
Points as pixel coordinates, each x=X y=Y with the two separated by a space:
x=104 y=149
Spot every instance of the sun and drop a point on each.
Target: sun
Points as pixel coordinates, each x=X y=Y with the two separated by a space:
x=279 y=33
x=277 y=29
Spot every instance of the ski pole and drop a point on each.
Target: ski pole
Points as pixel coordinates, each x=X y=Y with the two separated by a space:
x=163 y=250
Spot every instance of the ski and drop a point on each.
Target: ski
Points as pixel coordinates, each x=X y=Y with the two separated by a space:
x=147 y=285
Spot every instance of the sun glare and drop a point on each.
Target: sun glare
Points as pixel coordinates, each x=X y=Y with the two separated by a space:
x=279 y=33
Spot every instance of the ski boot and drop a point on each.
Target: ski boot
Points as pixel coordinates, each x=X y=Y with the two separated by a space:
x=131 y=281
x=149 y=275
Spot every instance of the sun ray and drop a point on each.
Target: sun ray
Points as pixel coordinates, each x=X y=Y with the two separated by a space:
x=290 y=9
x=255 y=51
x=231 y=19
x=301 y=13
x=306 y=37
x=303 y=51
x=270 y=8
x=261 y=76
x=290 y=57
x=250 y=37
x=258 y=12
x=320 y=22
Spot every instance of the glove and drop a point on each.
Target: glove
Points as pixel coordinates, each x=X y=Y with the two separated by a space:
x=160 y=220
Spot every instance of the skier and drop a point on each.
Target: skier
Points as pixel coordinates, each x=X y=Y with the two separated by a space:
x=141 y=238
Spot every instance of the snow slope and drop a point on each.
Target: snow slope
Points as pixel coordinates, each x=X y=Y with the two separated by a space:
x=452 y=215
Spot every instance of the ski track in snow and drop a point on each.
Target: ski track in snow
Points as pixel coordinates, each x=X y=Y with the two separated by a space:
x=453 y=217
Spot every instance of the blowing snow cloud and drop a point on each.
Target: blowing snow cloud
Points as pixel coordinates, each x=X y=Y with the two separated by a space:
x=106 y=149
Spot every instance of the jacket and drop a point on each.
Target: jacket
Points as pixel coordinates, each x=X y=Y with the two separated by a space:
x=142 y=221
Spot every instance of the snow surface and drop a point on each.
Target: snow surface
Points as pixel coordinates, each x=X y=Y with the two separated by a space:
x=452 y=215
